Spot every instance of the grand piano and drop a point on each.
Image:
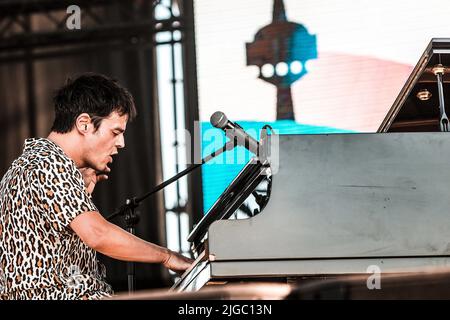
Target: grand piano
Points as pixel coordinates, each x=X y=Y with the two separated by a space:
x=325 y=206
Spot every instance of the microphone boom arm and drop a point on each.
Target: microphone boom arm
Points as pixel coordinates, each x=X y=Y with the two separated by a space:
x=133 y=203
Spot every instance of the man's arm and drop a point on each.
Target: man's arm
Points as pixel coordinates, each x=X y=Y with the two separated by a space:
x=109 y=239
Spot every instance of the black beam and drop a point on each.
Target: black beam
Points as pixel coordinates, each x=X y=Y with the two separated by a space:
x=38 y=40
x=30 y=84
x=191 y=110
x=15 y=7
x=20 y=57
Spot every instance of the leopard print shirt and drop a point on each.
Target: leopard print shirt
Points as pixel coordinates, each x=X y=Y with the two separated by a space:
x=40 y=255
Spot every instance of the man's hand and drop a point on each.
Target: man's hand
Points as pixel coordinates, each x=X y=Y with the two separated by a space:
x=91 y=178
x=177 y=262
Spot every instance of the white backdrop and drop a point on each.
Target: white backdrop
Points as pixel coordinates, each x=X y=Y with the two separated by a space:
x=366 y=50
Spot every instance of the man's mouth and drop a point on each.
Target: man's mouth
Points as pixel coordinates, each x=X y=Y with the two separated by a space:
x=110 y=160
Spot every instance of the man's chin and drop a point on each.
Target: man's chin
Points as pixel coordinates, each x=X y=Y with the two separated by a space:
x=100 y=168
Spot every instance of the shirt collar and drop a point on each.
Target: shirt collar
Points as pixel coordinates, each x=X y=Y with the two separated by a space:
x=33 y=143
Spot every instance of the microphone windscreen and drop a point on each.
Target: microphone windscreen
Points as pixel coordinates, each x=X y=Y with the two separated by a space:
x=219 y=120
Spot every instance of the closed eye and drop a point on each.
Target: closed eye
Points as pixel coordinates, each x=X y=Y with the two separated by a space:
x=117 y=132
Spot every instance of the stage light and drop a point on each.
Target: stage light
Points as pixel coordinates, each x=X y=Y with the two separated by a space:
x=267 y=70
x=281 y=69
x=296 y=67
x=424 y=95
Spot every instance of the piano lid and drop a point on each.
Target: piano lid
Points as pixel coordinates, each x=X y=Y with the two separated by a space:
x=411 y=114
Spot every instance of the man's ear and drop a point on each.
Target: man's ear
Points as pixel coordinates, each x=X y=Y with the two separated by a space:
x=83 y=123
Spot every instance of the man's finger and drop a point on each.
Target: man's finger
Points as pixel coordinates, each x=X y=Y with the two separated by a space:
x=87 y=170
x=102 y=177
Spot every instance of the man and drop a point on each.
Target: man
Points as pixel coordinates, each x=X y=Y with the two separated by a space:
x=50 y=229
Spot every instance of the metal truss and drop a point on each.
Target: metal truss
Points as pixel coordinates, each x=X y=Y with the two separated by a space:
x=36 y=29
x=32 y=30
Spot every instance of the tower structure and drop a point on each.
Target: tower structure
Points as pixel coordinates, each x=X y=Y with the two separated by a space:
x=281 y=50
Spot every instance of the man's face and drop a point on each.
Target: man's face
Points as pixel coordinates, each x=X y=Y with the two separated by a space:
x=102 y=144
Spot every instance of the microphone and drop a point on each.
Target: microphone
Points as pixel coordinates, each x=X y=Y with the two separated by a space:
x=234 y=131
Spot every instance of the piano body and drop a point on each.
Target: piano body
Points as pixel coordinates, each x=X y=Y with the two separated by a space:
x=337 y=204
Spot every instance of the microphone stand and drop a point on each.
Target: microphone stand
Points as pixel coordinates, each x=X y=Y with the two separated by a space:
x=128 y=210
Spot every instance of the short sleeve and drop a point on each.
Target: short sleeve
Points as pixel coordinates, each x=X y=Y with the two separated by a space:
x=59 y=189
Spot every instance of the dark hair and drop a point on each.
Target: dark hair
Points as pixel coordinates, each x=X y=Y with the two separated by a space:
x=94 y=94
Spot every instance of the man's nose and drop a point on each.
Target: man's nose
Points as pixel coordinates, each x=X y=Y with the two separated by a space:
x=120 y=142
